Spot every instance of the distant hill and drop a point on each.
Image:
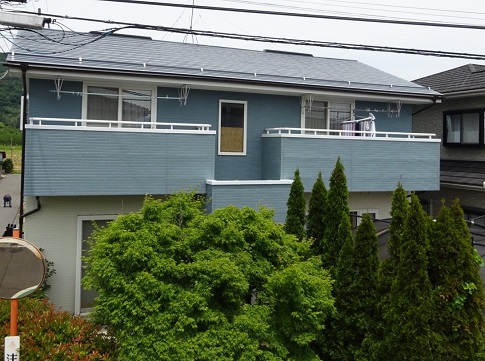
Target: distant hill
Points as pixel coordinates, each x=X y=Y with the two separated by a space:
x=10 y=94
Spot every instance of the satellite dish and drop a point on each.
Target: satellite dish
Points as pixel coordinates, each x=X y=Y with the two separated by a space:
x=22 y=268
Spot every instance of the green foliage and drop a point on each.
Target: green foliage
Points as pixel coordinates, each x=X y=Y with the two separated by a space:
x=340 y=328
x=337 y=203
x=7 y=165
x=296 y=207
x=47 y=334
x=10 y=95
x=10 y=136
x=458 y=290
x=176 y=284
x=410 y=309
x=316 y=212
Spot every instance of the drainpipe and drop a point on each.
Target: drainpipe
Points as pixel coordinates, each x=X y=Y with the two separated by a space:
x=39 y=206
x=22 y=175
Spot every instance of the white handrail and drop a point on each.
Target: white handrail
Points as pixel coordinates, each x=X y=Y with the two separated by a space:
x=84 y=123
x=344 y=132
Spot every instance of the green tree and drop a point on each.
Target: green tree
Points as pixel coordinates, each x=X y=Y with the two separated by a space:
x=410 y=309
x=387 y=273
x=364 y=308
x=458 y=292
x=339 y=336
x=10 y=95
x=337 y=203
x=296 y=208
x=316 y=212
x=176 y=284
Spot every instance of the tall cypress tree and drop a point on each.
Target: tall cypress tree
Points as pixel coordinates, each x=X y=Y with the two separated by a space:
x=458 y=292
x=410 y=311
x=296 y=207
x=365 y=283
x=387 y=272
x=339 y=329
x=316 y=213
x=337 y=203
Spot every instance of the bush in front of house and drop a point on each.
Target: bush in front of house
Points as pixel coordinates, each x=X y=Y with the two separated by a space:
x=48 y=334
x=7 y=165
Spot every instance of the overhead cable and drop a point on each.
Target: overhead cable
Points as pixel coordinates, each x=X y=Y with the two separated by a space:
x=267 y=39
x=306 y=15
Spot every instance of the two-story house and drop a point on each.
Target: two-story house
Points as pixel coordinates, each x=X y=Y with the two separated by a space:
x=459 y=122
x=111 y=118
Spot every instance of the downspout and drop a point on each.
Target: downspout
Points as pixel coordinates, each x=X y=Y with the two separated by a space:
x=39 y=206
x=22 y=175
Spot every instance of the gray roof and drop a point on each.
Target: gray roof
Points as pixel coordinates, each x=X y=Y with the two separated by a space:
x=138 y=55
x=464 y=78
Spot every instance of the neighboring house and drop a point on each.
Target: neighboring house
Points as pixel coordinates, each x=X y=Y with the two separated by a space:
x=112 y=118
x=459 y=122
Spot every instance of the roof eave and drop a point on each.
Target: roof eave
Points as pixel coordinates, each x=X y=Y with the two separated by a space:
x=284 y=87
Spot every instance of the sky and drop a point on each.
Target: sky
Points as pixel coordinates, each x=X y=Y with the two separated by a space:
x=406 y=66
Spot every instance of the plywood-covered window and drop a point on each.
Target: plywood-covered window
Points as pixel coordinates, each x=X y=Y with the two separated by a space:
x=232 y=127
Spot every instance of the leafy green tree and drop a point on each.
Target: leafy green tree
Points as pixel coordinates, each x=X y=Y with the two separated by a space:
x=295 y=214
x=458 y=292
x=176 y=284
x=316 y=212
x=337 y=203
x=410 y=309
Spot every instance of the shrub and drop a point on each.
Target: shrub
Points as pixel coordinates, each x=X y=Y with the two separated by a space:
x=47 y=334
x=7 y=165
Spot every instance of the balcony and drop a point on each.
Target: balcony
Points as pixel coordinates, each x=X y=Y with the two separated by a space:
x=99 y=157
x=373 y=161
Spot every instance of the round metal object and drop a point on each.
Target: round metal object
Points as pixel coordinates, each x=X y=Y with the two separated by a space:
x=22 y=268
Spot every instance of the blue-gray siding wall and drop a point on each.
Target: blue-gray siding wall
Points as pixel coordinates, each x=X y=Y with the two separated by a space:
x=264 y=111
x=43 y=102
x=370 y=164
x=271 y=196
x=387 y=122
x=76 y=162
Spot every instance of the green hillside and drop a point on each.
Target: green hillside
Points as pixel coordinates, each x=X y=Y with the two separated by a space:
x=10 y=94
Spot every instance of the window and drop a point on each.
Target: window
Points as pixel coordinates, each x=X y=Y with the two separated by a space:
x=84 y=301
x=464 y=127
x=356 y=216
x=232 y=127
x=326 y=115
x=119 y=104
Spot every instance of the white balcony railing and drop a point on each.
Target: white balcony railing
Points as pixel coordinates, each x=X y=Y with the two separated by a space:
x=114 y=125
x=352 y=134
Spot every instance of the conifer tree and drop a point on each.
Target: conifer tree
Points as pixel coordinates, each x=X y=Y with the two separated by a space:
x=316 y=213
x=387 y=272
x=337 y=203
x=355 y=290
x=458 y=292
x=410 y=310
x=339 y=329
x=296 y=206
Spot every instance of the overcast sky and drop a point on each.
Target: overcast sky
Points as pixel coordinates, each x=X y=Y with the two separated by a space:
x=405 y=66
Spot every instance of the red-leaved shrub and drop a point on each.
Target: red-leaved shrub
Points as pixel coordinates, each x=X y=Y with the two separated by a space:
x=50 y=335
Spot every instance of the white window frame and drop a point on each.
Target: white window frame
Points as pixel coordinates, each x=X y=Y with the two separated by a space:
x=245 y=132
x=329 y=102
x=361 y=212
x=153 y=115
x=79 y=245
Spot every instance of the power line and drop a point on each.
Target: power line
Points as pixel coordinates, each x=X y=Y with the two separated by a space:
x=267 y=39
x=306 y=15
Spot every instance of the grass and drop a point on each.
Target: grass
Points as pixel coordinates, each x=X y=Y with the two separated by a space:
x=14 y=152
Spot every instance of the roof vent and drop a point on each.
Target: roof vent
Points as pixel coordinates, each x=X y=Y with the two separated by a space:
x=286 y=52
x=120 y=35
